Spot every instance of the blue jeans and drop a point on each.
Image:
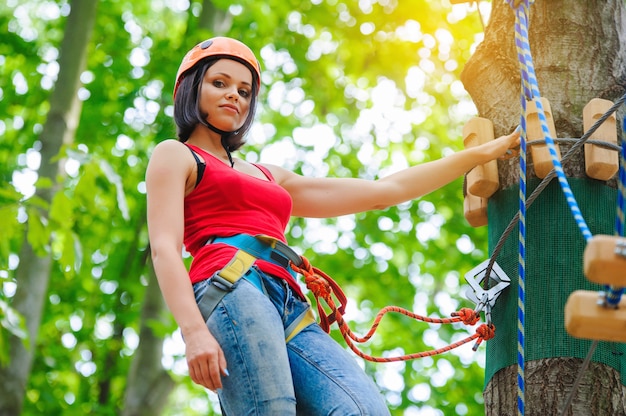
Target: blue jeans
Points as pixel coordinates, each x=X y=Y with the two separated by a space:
x=310 y=375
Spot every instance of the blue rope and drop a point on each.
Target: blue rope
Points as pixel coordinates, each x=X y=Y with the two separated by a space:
x=521 y=32
x=521 y=313
x=530 y=91
x=613 y=295
x=522 y=43
x=620 y=230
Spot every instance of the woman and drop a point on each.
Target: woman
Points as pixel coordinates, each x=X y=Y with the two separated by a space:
x=201 y=197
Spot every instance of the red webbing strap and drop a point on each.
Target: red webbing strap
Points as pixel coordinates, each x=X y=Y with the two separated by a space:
x=322 y=286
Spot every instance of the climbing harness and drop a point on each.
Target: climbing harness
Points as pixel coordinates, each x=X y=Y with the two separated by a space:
x=328 y=293
x=249 y=250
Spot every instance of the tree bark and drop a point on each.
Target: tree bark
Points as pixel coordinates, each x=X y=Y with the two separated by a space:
x=549 y=383
x=33 y=272
x=579 y=53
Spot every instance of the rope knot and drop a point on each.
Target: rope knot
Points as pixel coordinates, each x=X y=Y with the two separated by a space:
x=304 y=268
x=486 y=332
x=468 y=316
x=323 y=287
x=313 y=281
x=318 y=285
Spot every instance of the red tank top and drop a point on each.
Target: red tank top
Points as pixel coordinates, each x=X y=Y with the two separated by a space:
x=227 y=202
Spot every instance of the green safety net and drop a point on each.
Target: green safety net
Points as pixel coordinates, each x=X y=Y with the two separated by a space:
x=554 y=269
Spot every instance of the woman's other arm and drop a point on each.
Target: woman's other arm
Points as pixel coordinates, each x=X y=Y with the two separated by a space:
x=167 y=178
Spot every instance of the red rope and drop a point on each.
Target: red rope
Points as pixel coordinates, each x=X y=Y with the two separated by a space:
x=325 y=288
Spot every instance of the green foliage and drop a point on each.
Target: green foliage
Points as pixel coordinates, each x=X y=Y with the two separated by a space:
x=11 y=322
x=383 y=76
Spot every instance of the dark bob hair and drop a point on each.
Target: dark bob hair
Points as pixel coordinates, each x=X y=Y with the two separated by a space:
x=187 y=114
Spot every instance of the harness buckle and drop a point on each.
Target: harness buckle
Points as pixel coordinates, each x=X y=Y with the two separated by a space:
x=221 y=283
x=281 y=252
x=485 y=300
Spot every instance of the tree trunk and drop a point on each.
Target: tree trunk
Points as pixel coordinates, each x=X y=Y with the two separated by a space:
x=549 y=382
x=215 y=19
x=212 y=20
x=148 y=385
x=33 y=272
x=579 y=53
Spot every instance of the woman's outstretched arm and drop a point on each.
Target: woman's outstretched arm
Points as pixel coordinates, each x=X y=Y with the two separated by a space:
x=331 y=197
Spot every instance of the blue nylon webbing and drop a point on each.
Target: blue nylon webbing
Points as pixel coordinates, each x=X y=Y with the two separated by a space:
x=257 y=248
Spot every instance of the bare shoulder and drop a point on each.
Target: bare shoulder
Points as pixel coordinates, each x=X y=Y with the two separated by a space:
x=171 y=151
x=169 y=146
x=281 y=175
x=170 y=156
x=297 y=185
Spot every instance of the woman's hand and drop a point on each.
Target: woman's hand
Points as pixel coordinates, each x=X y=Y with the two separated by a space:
x=205 y=359
x=504 y=147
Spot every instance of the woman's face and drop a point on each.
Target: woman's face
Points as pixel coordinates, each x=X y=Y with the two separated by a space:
x=226 y=94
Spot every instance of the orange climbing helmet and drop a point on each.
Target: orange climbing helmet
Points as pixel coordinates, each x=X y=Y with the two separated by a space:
x=219 y=47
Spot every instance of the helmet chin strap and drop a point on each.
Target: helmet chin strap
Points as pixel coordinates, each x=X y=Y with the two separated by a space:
x=227 y=148
x=224 y=140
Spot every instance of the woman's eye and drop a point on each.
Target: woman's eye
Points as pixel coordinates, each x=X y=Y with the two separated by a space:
x=218 y=83
x=244 y=93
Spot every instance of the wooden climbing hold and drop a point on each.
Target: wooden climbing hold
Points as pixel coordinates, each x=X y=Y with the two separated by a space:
x=604 y=260
x=475 y=210
x=586 y=318
x=540 y=153
x=600 y=163
x=483 y=180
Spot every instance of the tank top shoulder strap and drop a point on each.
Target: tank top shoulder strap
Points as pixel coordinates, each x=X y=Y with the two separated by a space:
x=265 y=171
x=201 y=165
